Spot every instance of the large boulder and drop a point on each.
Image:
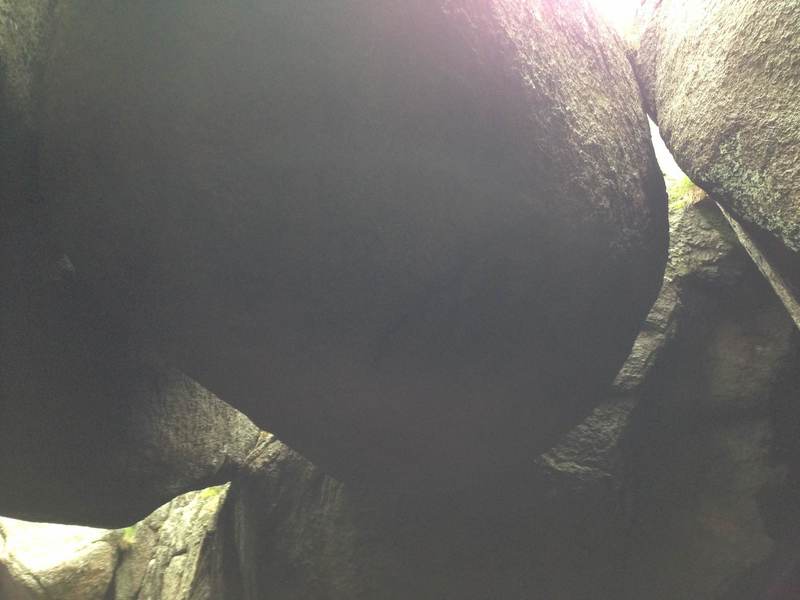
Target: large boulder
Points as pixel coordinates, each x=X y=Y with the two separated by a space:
x=92 y=433
x=722 y=79
x=413 y=239
x=91 y=430
x=40 y=561
x=178 y=552
x=712 y=445
x=300 y=534
x=710 y=380
x=684 y=482
x=681 y=477
x=684 y=479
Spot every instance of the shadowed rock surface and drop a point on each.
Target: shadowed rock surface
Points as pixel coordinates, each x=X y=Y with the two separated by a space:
x=672 y=487
x=24 y=30
x=412 y=239
x=416 y=238
x=89 y=434
x=712 y=437
x=722 y=79
x=682 y=484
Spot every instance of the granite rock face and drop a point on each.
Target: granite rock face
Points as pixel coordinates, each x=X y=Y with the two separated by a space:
x=679 y=481
x=417 y=240
x=711 y=446
x=722 y=79
x=686 y=476
x=703 y=249
x=682 y=484
x=301 y=534
x=412 y=239
x=176 y=552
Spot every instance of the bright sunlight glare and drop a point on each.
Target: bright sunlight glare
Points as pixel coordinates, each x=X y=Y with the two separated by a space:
x=618 y=13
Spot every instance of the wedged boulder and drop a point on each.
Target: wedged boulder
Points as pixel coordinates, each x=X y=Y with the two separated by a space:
x=300 y=534
x=681 y=477
x=588 y=473
x=177 y=552
x=683 y=482
x=90 y=432
x=40 y=561
x=716 y=336
x=103 y=439
x=412 y=239
x=285 y=529
x=710 y=447
x=722 y=79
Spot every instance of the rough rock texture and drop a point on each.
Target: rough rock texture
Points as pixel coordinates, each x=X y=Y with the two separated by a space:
x=722 y=79
x=678 y=486
x=693 y=458
x=712 y=487
x=24 y=27
x=782 y=283
x=683 y=484
x=702 y=248
x=676 y=483
x=103 y=441
x=24 y=251
x=301 y=535
x=39 y=561
x=89 y=433
x=412 y=239
x=288 y=531
x=174 y=554
x=589 y=470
